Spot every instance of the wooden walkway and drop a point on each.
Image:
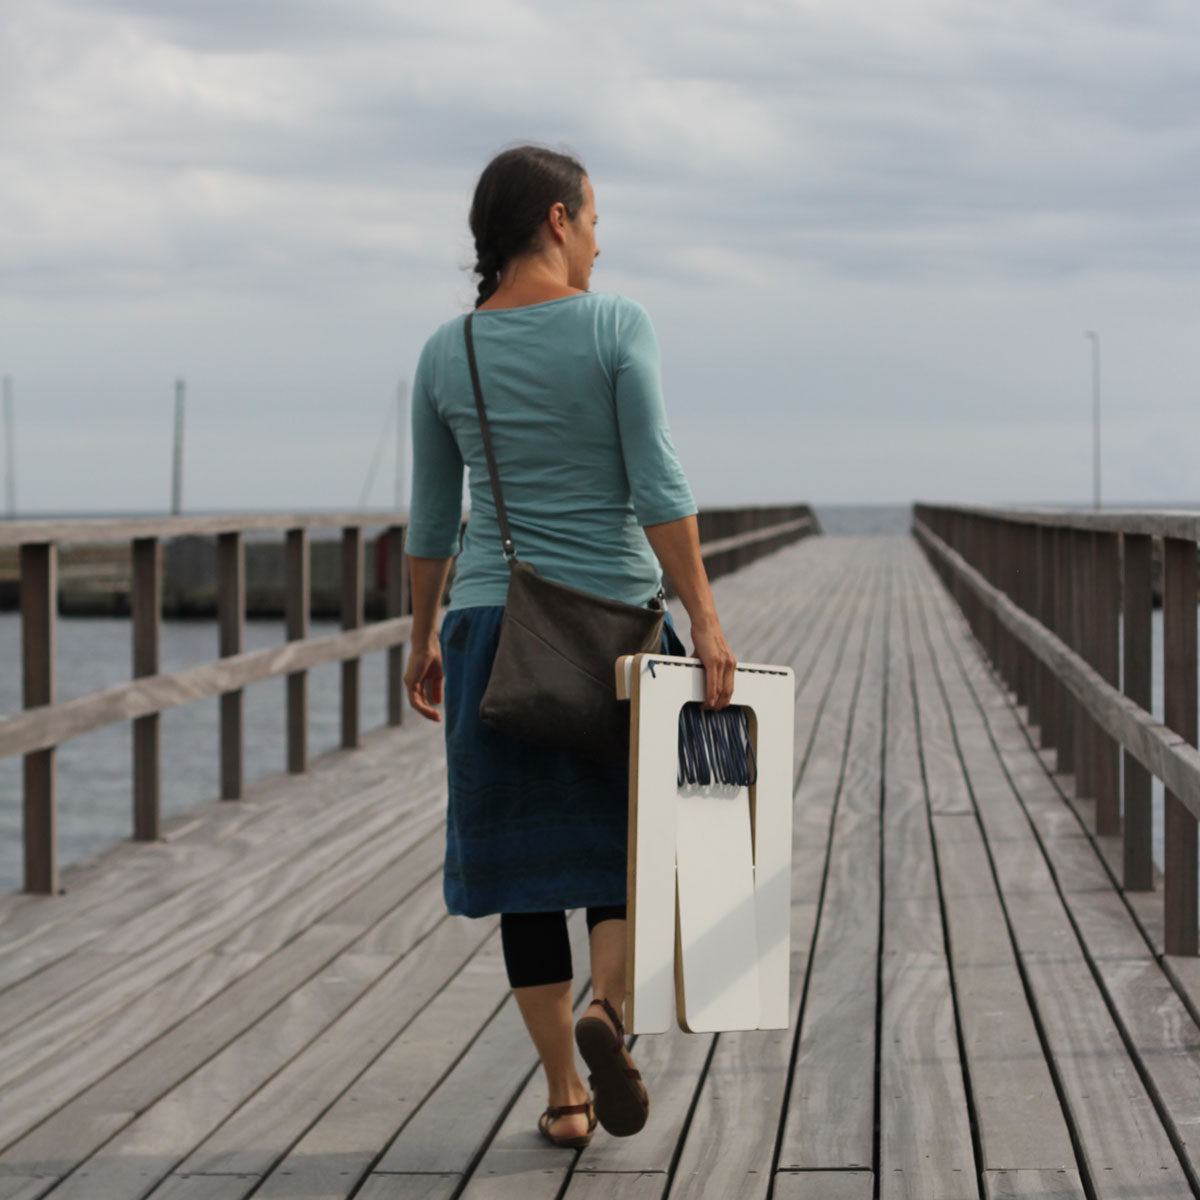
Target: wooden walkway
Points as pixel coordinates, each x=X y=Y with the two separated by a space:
x=272 y=1002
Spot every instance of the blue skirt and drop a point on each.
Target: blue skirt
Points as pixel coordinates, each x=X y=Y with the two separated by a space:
x=529 y=829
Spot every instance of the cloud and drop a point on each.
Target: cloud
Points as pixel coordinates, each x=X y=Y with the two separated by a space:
x=273 y=195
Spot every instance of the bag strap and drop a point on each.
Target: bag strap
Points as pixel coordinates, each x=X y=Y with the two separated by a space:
x=510 y=550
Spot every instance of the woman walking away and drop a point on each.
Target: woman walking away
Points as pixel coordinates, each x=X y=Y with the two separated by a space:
x=574 y=403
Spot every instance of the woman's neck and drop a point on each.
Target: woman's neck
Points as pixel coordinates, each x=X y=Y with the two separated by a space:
x=530 y=281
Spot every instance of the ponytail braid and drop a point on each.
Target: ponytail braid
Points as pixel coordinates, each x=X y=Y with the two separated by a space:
x=488 y=268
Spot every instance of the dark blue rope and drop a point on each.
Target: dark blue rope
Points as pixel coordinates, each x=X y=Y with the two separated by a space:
x=714 y=746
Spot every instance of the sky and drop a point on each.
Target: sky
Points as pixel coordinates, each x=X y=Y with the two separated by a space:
x=871 y=234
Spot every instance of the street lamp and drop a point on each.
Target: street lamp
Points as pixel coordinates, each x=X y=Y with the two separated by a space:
x=1095 y=337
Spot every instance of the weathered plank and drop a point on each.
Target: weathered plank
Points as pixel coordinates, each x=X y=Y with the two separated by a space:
x=925 y=1134
x=1019 y=1119
x=748 y=1073
x=1108 y=1107
x=204 y=845
x=1062 y=1184
x=610 y=1185
x=824 y=1185
x=118 y=1065
x=830 y=1113
x=1149 y=1011
x=162 y=1135
x=78 y=1009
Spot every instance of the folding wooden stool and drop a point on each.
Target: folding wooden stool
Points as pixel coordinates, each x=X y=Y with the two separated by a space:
x=709 y=895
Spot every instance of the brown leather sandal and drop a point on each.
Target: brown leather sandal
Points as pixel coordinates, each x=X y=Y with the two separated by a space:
x=622 y=1102
x=552 y=1114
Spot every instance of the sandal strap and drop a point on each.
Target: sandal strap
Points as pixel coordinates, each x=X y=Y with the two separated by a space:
x=563 y=1110
x=612 y=1016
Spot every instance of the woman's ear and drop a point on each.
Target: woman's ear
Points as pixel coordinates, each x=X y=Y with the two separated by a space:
x=558 y=220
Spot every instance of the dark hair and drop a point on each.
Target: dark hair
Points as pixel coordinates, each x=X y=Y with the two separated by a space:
x=513 y=197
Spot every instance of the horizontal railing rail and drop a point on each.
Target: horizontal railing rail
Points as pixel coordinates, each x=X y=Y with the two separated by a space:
x=1061 y=601
x=730 y=538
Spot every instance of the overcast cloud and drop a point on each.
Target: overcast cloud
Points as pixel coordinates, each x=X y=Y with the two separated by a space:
x=871 y=234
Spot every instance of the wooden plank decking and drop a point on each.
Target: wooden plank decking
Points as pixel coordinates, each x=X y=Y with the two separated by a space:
x=271 y=1002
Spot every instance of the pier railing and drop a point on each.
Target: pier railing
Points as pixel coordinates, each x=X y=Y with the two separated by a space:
x=1061 y=601
x=730 y=538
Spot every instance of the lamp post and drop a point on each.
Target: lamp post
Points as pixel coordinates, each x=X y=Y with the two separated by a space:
x=1095 y=338
x=177 y=452
x=10 y=453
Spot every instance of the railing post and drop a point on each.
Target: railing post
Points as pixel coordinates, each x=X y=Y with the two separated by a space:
x=1031 y=555
x=1046 y=614
x=231 y=617
x=1179 y=693
x=1012 y=555
x=1031 y=581
x=352 y=618
x=39 y=609
x=146 y=605
x=1081 y=547
x=1064 y=593
x=1001 y=579
x=990 y=532
x=397 y=603
x=1016 y=581
x=297 y=599
x=1106 y=613
x=1138 y=871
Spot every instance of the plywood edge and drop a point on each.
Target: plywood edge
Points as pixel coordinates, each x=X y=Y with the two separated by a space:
x=629 y=679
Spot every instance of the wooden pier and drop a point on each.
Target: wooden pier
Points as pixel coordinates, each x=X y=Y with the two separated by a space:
x=270 y=1000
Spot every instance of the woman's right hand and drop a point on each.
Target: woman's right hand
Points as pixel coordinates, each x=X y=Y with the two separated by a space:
x=423 y=679
x=711 y=648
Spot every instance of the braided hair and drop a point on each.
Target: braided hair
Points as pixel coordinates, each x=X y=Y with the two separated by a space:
x=513 y=197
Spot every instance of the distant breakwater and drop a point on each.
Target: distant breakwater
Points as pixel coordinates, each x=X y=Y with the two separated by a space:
x=95 y=580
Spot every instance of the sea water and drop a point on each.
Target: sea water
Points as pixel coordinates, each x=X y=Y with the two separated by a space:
x=95 y=806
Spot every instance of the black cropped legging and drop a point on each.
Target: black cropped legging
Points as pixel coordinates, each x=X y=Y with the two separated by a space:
x=537 y=949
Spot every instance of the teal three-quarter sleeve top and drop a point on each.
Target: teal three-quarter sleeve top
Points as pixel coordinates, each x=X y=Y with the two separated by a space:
x=573 y=395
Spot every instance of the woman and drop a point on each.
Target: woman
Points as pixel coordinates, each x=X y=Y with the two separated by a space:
x=573 y=397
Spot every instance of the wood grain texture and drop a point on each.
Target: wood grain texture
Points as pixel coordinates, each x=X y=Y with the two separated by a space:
x=270 y=1003
x=747 y=1076
x=203 y=1020
x=830 y=1113
x=231 y=624
x=39 y=615
x=396 y=605
x=27 y=732
x=1033 y=1185
x=90 y=1030
x=1137 y=863
x=297 y=600
x=1181 y=862
x=649 y=1185
x=925 y=1135
x=1107 y=1102
x=1152 y=1016
x=352 y=618
x=824 y=1185
x=146 y=603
